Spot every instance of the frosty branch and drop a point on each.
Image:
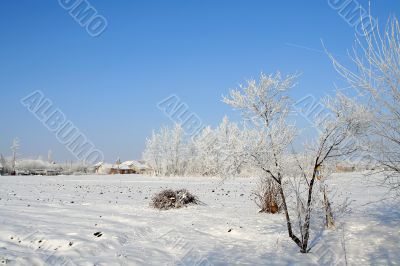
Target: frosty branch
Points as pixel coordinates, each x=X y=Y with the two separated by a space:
x=266 y=104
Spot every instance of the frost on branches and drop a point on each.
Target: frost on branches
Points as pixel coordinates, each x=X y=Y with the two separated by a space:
x=262 y=146
x=213 y=152
x=376 y=79
x=267 y=104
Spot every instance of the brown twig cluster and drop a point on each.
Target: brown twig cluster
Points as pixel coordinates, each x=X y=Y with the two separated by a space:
x=173 y=199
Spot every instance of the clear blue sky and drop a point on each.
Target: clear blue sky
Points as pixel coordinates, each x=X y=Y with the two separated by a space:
x=109 y=86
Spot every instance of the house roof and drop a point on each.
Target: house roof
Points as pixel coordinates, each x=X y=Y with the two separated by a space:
x=129 y=163
x=135 y=164
x=124 y=167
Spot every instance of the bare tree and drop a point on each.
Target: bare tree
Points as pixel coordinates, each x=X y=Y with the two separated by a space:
x=375 y=75
x=267 y=105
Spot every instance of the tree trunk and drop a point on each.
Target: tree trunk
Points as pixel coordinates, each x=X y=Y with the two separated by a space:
x=308 y=217
x=288 y=222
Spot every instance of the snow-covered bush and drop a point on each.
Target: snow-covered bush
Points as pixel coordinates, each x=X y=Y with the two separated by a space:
x=173 y=199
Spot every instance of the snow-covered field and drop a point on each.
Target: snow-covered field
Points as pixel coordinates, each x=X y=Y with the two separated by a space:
x=106 y=220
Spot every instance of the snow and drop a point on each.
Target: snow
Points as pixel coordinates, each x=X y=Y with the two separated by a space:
x=52 y=221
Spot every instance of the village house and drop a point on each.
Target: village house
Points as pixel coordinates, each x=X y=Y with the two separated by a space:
x=127 y=167
x=139 y=167
x=122 y=169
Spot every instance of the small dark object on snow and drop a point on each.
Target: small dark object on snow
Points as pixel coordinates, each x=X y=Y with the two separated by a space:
x=70 y=244
x=173 y=199
x=98 y=234
x=230 y=230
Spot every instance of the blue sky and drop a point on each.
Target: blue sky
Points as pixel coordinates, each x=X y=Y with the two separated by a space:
x=109 y=86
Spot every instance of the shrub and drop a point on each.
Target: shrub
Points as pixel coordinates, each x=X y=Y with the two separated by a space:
x=268 y=197
x=173 y=199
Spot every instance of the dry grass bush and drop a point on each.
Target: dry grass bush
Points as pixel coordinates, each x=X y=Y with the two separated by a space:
x=173 y=199
x=267 y=196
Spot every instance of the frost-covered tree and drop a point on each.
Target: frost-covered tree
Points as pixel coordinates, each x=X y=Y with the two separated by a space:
x=375 y=75
x=336 y=141
x=29 y=165
x=14 y=148
x=50 y=156
x=7 y=168
x=204 y=160
x=219 y=151
x=166 y=151
x=267 y=104
x=152 y=153
x=213 y=152
x=177 y=151
x=230 y=144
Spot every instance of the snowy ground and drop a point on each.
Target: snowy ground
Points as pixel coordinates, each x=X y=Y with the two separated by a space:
x=52 y=221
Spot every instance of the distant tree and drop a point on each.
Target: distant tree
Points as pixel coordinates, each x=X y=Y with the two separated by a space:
x=177 y=151
x=50 y=156
x=205 y=158
x=219 y=151
x=5 y=165
x=213 y=152
x=229 y=146
x=166 y=151
x=152 y=153
x=14 y=148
